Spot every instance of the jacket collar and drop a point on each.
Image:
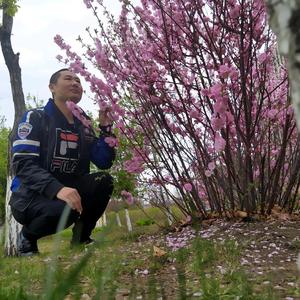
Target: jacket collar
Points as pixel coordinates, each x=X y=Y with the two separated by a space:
x=52 y=110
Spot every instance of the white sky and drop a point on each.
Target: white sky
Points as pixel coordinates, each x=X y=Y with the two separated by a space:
x=35 y=25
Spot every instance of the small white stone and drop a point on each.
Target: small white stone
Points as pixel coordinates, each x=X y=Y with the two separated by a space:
x=278 y=287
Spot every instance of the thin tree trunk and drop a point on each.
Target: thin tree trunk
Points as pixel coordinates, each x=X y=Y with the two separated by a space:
x=128 y=221
x=12 y=63
x=104 y=219
x=170 y=218
x=118 y=219
x=285 y=22
x=11 y=228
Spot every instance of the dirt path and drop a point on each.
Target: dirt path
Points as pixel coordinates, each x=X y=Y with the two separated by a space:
x=269 y=252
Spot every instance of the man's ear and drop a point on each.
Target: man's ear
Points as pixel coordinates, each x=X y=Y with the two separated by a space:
x=51 y=87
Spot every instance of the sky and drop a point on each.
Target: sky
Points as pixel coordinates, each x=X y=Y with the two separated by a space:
x=35 y=25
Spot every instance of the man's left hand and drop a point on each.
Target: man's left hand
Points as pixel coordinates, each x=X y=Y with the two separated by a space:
x=105 y=117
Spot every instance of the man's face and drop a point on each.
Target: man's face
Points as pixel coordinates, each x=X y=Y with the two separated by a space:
x=67 y=88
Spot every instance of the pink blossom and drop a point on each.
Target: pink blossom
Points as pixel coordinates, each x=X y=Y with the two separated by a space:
x=216 y=90
x=195 y=114
x=205 y=92
x=120 y=125
x=128 y=196
x=224 y=71
x=181 y=239
x=229 y=117
x=145 y=272
x=78 y=113
x=208 y=173
x=135 y=164
x=88 y=3
x=256 y=173
x=111 y=141
x=272 y=113
x=59 y=40
x=290 y=110
x=201 y=194
x=188 y=187
x=263 y=57
x=219 y=143
x=211 y=166
x=220 y=106
x=59 y=58
x=235 y=12
x=234 y=74
x=217 y=123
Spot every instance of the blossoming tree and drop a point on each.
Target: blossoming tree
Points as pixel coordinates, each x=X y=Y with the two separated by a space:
x=206 y=97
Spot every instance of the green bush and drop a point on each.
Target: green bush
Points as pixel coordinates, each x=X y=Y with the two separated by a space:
x=144 y=222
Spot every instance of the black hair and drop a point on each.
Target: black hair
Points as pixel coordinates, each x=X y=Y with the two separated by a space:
x=55 y=76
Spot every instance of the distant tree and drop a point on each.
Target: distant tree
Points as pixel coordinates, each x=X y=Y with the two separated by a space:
x=8 y=10
x=33 y=102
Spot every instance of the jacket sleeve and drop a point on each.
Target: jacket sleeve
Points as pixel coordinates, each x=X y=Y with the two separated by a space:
x=26 y=157
x=102 y=155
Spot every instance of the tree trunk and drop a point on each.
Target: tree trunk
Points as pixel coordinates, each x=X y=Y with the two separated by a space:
x=170 y=217
x=12 y=63
x=118 y=219
x=128 y=221
x=104 y=219
x=12 y=227
x=285 y=22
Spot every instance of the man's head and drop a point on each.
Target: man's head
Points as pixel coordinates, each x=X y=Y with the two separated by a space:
x=65 y=86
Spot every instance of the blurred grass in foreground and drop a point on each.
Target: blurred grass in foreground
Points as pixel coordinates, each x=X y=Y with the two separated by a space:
x=107 y=269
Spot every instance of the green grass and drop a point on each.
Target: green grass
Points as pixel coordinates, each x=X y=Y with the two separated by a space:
x=32 y=273
x=100 y=271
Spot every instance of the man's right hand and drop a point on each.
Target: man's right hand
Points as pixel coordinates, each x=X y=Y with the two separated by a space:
x=71 y=197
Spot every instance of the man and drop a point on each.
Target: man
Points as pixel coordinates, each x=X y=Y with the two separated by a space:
x=52 y=151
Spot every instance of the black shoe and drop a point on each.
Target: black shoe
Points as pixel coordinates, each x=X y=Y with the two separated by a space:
x=85 y=242
x=89 y=241
x=26 y=247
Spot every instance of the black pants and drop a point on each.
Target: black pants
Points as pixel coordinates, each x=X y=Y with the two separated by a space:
x=42 y=216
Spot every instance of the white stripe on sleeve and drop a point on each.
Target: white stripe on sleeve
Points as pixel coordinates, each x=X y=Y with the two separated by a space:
x=26 y=142
x=28 y=116
x=24 y=153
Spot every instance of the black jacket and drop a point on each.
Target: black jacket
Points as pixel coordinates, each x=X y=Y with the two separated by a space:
x=47 y=151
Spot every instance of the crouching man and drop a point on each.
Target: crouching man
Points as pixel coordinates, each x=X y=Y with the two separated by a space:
x=52 y=151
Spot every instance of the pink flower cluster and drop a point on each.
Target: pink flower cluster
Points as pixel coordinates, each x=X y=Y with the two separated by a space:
x=128 y=197
x=112 y=141
x=202 y=109
x=78 y=113
x=88 y=3
x=210 y=170
x=135 y=165
x=188 y=187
